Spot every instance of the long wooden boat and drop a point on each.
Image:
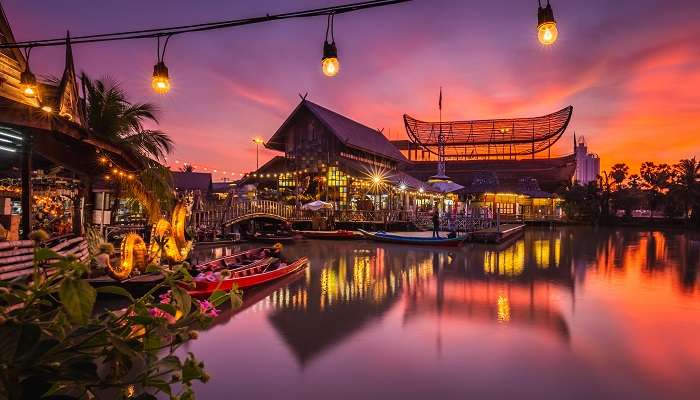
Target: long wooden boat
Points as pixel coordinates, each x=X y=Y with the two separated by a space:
x=136 y=285
x=272 y=238
x=257 y=273
x=421 y=241
x=332 y=235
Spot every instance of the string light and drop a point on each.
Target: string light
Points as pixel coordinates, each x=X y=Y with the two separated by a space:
x=329 y=63
x=27 y=79
x=161 y=79
x=547 y=32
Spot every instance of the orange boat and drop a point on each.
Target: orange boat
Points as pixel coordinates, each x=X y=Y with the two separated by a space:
x=255 y=268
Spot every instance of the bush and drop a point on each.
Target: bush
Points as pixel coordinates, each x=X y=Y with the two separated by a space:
x=55 y=345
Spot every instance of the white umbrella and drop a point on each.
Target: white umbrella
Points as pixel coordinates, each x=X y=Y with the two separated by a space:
x=316 y=205
x=447 y=186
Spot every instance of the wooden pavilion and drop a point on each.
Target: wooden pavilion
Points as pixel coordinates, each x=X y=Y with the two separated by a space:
x=44 y=137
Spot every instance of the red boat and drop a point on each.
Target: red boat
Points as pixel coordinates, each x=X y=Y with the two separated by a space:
x=258 y=271
x=332 y=235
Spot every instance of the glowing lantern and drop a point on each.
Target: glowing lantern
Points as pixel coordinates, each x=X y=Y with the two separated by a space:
x=547 y=32
x=28 y=83
x=161 y=80
x=329 y=63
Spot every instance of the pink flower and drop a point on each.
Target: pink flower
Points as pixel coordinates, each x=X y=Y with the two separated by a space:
x=207 y=308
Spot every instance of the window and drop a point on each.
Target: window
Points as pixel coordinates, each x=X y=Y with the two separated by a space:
x=287 y=181
x=337 y=179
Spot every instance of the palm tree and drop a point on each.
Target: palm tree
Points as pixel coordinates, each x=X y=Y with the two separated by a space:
x=687 y=183
x=114 y=119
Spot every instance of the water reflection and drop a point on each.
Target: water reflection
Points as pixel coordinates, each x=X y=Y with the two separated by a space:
x=568 y=293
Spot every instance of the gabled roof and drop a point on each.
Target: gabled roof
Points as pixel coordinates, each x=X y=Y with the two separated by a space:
x=351 y=133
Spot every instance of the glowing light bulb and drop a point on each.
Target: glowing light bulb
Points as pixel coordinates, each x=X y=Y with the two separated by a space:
x=28 y=83
x=161 y=80
x=330 y=66
x=547 y=33
x=329 y=63
x=47 y=109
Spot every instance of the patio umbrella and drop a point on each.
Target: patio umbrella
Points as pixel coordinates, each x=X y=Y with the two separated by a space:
x=316 y=205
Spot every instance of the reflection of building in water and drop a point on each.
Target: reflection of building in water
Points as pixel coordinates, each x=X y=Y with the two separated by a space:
x=510 y=302
x=349 y=290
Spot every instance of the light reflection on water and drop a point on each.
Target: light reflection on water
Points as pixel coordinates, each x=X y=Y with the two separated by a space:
x=561 y=313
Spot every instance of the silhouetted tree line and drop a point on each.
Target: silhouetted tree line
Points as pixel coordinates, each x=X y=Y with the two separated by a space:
x=668 y=191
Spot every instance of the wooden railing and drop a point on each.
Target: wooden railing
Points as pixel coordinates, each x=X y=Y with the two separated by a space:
x=221 y=215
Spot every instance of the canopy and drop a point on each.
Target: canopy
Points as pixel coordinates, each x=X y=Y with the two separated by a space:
x=316 y=205
x=489 y=138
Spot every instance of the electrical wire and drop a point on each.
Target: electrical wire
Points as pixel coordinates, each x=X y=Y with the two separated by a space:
x=178 y=30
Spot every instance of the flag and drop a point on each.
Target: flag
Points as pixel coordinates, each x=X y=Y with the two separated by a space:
x=440 y=101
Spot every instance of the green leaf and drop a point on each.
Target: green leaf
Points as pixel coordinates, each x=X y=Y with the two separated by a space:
x=161 y=385
x=168 y=308
x=115 y=290
x=182 y=298
x=218 y=297
x=151 y=341
x=42 y=254
x=78 y=299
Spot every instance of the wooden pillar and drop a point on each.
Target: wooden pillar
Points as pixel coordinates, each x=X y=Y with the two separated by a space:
x=26 y=177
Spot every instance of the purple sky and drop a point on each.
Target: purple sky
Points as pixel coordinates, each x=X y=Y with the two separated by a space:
x=630 y=68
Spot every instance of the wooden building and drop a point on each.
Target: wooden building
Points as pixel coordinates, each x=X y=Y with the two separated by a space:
x=43 y=139
x=330 y=157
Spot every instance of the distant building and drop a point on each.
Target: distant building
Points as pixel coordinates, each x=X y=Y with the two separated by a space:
x=587 y=164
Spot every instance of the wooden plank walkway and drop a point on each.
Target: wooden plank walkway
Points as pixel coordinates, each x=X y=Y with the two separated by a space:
x=497 y=234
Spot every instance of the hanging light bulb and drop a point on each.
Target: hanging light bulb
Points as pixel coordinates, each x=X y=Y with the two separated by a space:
x=27 y=79
x=329 y=63
x=547 y=32
x=161 y=79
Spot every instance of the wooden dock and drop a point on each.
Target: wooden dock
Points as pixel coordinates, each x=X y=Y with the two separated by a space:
x=498 y=234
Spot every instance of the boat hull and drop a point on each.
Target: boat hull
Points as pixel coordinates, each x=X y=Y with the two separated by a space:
x=332 y=235
x=452 y=242
x=205 y=289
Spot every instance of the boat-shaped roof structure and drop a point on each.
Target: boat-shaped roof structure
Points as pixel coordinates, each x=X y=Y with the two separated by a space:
x=494 y=138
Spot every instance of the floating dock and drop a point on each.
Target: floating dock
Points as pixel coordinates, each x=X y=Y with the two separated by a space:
x=498 y=234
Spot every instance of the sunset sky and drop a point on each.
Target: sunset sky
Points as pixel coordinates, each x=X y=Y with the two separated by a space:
x=630 y=68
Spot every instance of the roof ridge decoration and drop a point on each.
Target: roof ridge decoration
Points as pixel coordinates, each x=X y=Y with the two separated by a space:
x=68 y=95
x=511 y=137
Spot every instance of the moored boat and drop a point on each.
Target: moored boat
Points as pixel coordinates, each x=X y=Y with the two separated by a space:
x=224 y=273
x=273 y=238
x=332 y=235
x=414 y=240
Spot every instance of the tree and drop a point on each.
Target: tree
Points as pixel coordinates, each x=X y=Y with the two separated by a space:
x=618 y=173
x=187 y=168
x=657 y=180
x=686 y=185
x=113 y=118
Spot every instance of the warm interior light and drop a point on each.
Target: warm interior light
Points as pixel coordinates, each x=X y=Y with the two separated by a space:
x=28 y=84
x=47 y=109
x=547 y=33
x=161 y=80
x=329 y=63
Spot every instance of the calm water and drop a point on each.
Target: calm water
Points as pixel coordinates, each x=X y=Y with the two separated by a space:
x=565 y=313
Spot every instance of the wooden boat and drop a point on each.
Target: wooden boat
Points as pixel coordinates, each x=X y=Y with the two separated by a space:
x=331 y=235
x=136 y=285
x=273 y=238
x=263 y=269
x=413 y=240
